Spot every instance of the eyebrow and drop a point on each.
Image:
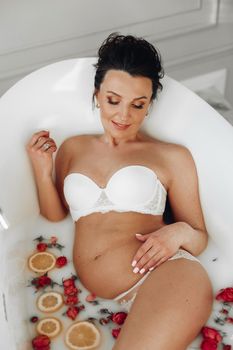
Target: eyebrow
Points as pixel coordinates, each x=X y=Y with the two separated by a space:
x=137 y=98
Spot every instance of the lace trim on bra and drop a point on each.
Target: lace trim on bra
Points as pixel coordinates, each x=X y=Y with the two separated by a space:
x=155 y=206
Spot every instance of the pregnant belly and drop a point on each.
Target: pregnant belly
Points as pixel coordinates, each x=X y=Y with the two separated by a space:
x=109 y=273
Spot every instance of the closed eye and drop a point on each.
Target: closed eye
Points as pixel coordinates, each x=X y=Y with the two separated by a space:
x=135 y=106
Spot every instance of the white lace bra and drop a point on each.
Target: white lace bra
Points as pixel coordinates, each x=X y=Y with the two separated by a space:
x=131 y=188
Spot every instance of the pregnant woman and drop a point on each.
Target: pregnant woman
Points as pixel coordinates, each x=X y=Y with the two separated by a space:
x=115 y=186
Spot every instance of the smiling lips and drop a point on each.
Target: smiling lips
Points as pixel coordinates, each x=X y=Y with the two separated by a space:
x=120 y=126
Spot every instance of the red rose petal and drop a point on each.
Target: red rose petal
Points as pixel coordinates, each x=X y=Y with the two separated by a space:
x=44 y=281
x=40 y=341
x=41 y=247
x=226 y=347
x=71 y=300
x=61 y=261
x=119 y=317
x=225 y=294
x=211 y=333
x=72 y=290
x=53 y=240
x=90 y=297
x=72 y=312
x=116 y=331
x=70 y=282
x=209 y=344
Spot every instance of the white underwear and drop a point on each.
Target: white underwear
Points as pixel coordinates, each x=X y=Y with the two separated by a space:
x=128 y=303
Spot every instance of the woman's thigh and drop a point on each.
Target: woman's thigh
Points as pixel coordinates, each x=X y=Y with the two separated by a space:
x=170 y=308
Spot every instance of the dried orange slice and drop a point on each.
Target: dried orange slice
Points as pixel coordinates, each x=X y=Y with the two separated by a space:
x=49 y=301
x=82 y=335
x=41 y=262
x=49 y=326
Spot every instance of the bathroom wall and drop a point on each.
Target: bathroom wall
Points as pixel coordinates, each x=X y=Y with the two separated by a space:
x=195 y=36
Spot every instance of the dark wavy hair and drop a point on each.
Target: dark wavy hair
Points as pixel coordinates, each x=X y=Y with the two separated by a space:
x=131 y=54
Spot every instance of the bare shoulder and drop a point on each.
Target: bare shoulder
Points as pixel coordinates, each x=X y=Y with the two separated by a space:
x=168 y=149
x=72 y=141
x=179 y=156
x=172 y=151
x=183 y=184
x=66 y=151
x=72 y=145
x=174 y=159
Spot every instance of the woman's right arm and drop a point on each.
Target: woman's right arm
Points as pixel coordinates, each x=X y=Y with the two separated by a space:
x=40 y=149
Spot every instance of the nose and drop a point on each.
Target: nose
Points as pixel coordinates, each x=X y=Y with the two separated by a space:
x=124 y=113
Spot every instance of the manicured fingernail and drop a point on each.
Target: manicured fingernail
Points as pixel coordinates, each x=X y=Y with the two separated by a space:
x=134 y=263
x=151 y=268
x=136 y=270
x=138 y=234
x=142 y=271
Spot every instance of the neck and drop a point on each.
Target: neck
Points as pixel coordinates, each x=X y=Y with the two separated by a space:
x=112 y=141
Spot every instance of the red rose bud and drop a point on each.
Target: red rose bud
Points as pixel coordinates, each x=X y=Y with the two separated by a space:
x=61 y=261
x=34 y=319
x=71 y=300
x=104 y=321
x=69 y=282
x=53 y=240
x=43 y=281
x=90 y=297
x=224 y=311
x=72 y=290
x=230 y=319
x=225 y=294
x=41 y=342
x=81 y=307
x=116 y=331
x=41 y=247
x=209 y=344
x=211 y=333
x=72 y=312
x=119 y=317
x=226 y=347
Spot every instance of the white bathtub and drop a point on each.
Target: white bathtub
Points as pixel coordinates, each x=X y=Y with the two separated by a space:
x=58 y=97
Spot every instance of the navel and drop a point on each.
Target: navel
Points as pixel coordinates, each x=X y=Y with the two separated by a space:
x=97 y=256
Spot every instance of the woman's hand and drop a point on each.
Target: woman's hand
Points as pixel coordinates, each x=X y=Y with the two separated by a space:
x=158 y=246
x=40 y=149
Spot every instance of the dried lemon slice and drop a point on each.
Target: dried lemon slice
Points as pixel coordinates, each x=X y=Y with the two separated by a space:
x=49 y=301
x=82 y=335
x=41 y=262
x=49 y=326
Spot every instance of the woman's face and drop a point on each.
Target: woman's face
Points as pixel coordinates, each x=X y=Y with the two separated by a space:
x=124 y=101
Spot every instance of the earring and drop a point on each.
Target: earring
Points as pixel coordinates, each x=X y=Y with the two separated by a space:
x=97 y=105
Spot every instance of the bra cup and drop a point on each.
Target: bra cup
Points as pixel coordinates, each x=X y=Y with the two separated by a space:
x=131 y=186
x=80 y=191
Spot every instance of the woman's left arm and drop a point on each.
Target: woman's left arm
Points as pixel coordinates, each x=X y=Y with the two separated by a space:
x=188 y=231
x=185 y=202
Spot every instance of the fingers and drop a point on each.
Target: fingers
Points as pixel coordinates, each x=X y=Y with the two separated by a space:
x=51 y=149
x=36 y=136
x=41 y=141
x=142 y=251
x=150 y=260
x=44 y=143
x=150 y=256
